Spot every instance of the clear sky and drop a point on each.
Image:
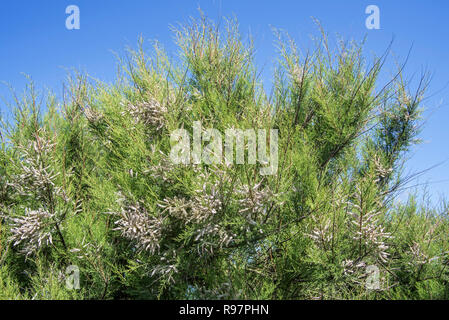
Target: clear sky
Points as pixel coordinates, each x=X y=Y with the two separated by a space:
x=34 y=40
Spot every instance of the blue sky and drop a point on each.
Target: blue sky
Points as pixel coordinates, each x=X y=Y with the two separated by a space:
x=35 y=41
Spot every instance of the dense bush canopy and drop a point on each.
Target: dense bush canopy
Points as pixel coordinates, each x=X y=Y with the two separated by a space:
x=86 y=180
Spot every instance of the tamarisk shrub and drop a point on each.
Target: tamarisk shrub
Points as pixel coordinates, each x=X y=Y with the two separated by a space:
x=86 y=180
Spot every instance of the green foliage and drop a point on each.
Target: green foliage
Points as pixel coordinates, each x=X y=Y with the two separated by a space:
x=87 y=181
